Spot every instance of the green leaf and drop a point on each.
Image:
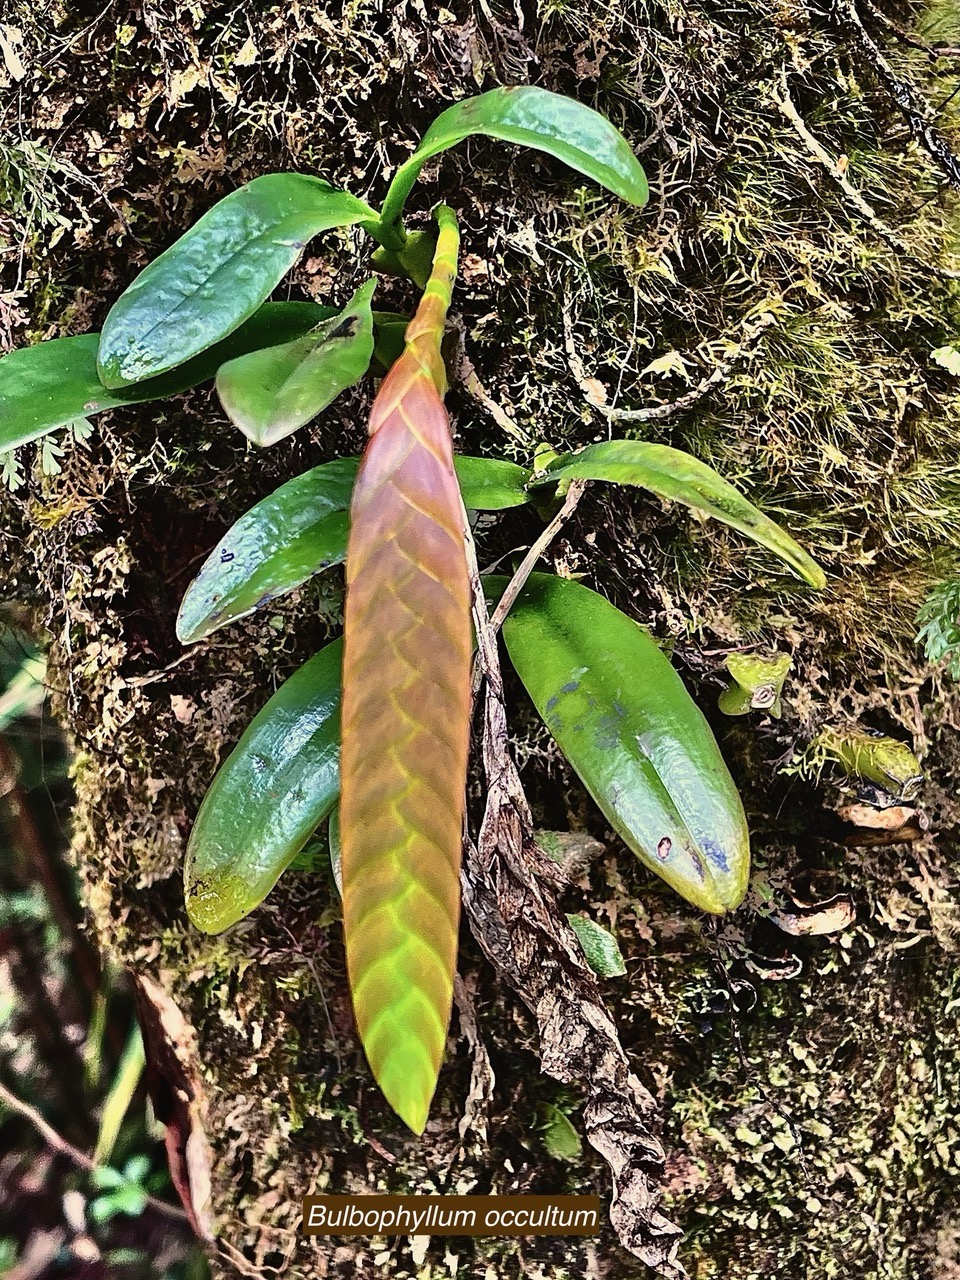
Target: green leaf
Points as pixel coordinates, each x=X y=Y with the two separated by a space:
x=274 y=548
x=679 y=477
x=532 y=117
x=300 y=529
x=54 y=383
x=25 y=692
x=491 y=484
x=269 y=394
x=270 y=794
x=600 y=948
x=217 y=274
x=560 y=1139
x=622 y=717
x=939 y=621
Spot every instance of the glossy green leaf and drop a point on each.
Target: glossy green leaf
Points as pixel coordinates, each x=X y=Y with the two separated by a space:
x=622 y=717
x=531 y=117
x=491 y=484
x=54 y=383
x=601 y=949
x=217 y=274
x=270 y=393
x=679 y=477
x=270 y=794
x=295 y=532
x=300 y=529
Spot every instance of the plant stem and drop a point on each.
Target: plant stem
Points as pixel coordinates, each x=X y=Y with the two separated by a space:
x=396 y=198
x=515 y=585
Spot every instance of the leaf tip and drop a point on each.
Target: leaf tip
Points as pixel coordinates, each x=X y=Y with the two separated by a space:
x=409 y=1092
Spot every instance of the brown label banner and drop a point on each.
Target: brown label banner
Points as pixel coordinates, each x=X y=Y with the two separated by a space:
x=451 y=1215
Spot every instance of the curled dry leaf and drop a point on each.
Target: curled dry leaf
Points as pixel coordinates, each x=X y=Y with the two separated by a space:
x=775 y=968
x=890 y=819
x=915 y=829
x=173 y=1082
x=510 y=890
x=831 y=916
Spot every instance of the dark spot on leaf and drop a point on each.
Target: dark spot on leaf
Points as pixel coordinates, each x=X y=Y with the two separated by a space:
x=345 y=329
x=226 y=557
x=571 y=687
x=663 y=848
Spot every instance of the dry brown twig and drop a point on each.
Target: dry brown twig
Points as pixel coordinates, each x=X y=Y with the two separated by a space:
x=787 y=107
x=658 y=412
x=57 y=1143
x=515 y=586
x=917 y=112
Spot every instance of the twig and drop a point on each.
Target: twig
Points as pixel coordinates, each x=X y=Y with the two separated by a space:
x=906 y=36
x=515 y=585
x=65 y=1148
x=657 y=413
x=915 y=110
x=475 y=388
x=786 y=105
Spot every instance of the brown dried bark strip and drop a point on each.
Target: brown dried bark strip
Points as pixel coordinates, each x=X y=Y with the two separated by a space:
x=510 y=892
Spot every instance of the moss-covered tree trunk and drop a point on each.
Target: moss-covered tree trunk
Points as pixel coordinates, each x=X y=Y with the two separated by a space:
x=787 y=283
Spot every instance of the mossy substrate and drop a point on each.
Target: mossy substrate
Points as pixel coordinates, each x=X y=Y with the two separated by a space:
x=812 y=1122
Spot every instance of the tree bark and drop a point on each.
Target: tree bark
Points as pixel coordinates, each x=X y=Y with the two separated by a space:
x=773 y=310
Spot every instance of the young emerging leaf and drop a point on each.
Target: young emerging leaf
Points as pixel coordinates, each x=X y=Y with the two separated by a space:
x=532 y=117
x=621 y=716
x=270 y=394
x=217 y=274
x=679 y=477
x=299 y=530
x=406 y=713
x=53 y=383
x=270 y=794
